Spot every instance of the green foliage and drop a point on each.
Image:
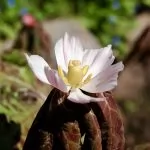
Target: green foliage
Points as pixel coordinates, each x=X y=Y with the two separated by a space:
x=26 y=75
x=18 y=59
x=15 y=57
x=109 y=20
x=14 y=103
x=110 y=23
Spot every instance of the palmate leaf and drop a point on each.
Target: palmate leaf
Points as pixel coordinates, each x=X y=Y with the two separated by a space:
x=60 y=124
x=110 y=122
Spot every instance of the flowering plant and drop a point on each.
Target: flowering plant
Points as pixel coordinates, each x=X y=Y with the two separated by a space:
x=79 y=70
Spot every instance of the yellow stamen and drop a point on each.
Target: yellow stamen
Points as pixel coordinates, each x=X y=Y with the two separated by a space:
x=87 y=79
x=61 y=74
x=75 y=74
x=74 y=63
x=85 y=69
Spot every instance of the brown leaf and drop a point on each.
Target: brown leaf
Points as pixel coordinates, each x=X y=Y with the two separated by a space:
x=110 y=122
x=39 y=127
x=60 y=125
x=46 y=140
x=54 y=127
x=92 y=140
x=70 y=136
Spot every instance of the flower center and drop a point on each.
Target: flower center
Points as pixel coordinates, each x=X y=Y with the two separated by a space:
x=75 y=74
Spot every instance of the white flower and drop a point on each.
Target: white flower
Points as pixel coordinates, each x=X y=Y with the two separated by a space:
x=89 y=70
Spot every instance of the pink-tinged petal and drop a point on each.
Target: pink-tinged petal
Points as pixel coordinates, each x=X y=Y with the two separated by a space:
x=89 y=56
x=63 y=52
x=37 y=64
x=55 y=80
x=67 y=48
x=77 y=49
x=98 y=59
x=77 y=96
x=105 y=80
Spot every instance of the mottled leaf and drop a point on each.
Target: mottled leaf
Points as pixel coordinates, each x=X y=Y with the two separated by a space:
x=111 y=124
x=92 y=140
x=61 y=124
x=70 y=136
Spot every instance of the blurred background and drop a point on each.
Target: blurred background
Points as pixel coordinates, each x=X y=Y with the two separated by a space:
x=35 y=26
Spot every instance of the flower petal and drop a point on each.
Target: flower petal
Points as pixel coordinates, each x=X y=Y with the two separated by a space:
x=63 y=52
x=104 y=81
x=98 y=59
x=77 y=49
x=55 y=80
x=68 y=49
x=37 y=64
x=77 y=96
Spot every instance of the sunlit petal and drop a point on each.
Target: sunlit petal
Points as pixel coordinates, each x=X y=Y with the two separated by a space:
x=77 y=96
x=37 y=64
x=90 y=70
x=77 y=49
x=63 y=52
x=98 y=59
x=55 y=80
x=105 y=80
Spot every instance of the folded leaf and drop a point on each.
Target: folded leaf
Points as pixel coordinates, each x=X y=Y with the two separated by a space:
x=110 y=122
x=64 y=125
